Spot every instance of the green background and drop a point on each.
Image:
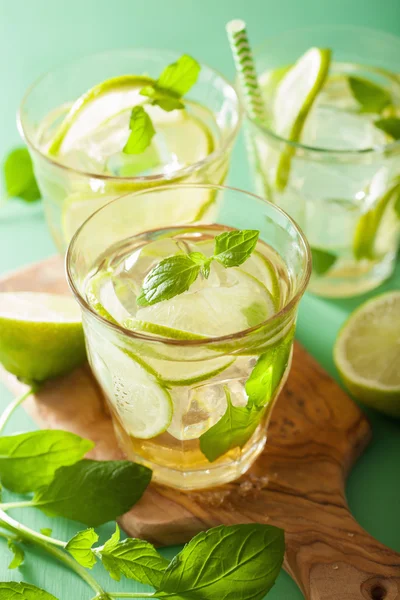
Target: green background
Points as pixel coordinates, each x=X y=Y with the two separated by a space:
x=36 y=34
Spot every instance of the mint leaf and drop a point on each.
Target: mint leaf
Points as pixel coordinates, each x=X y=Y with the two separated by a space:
x=232 y=248
x=28 y=461
x=179 y=76
x=135 y=559
x=172 y=276
x=371 y=97
x=93 y=492
x=238 y=562
x=173 y=83
x=322 y=261
x=22 y=591
x=268 y=372
x=19 y=177
x=201 y=259
x=391 y=126
x=80 y=547
x=161 y=98
x=46 y=531
x=18 y=553
x=113 y=541
x=233 y=429
x=142 y=131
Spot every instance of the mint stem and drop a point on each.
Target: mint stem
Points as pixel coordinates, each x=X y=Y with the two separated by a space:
x=12 y=407
x=28 y=535
x=130 y=595
x=6 y=520
x=22 y=504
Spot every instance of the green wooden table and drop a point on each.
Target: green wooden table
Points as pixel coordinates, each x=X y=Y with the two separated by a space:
x=36 y=34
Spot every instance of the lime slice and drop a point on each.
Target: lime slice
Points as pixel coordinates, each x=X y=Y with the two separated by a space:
x=41 y=335
x=260 y=267
x=294 y=98
x=378 y=229
x=144 y=406
x=367 y=353
x=93 y=108
x=236 y=302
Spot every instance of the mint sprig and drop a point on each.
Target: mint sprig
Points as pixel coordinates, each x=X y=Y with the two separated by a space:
x=175 y=274
x=166 y=92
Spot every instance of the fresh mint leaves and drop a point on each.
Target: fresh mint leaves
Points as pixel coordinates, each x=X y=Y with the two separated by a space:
x=238 y=423
x=28 y=461
x=80 y=547
x=135 y=559
x=390 y=125
x=142 y=131
x=25 y=591
x=322 y=261
x=93 y=492
x=232 y=248
x=166 y=92
x=18 y=555
x=233 y=430
x=175 y=274
x=371 y=97
x=19 y=176
x=234 y=562
x=175 y=81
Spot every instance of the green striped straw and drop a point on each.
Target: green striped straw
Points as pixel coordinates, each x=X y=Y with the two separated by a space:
x=245 y=68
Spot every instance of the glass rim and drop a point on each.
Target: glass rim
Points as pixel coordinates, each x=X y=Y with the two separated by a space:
x=206 y=341
x=144 y=179
x=320 y=150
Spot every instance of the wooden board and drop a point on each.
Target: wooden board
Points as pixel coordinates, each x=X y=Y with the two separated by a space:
x=315 y=436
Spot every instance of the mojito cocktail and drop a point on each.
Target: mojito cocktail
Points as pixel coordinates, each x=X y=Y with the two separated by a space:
x=328 y=152
x=189 y=330
x=123 y=121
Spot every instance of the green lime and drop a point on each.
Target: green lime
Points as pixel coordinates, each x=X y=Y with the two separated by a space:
x=41 y=335
x=367 y=353
x=293 y=100
x=377 y=230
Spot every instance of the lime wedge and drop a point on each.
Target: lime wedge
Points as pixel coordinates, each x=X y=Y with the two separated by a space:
x=294 y=98
x=378 y=229
x=367 y=353
x=94 y=107
x=144 y=406
x=41 y=335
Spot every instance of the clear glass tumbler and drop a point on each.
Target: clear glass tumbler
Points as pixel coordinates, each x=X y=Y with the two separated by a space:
x=343 y=186
x=73 y=189
x=167 y=389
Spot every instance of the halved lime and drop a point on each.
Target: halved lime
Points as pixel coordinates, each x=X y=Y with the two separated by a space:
x=378 y=229
x=294 y=98
x=367 y=353
x=144 y=406
x=41 y=335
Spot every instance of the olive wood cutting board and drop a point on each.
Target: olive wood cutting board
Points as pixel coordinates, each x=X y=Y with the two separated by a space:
x=298 y=483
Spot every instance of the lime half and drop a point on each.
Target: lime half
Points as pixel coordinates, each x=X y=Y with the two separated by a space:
x=294 y=98
x=41 y=335
x=367 y=353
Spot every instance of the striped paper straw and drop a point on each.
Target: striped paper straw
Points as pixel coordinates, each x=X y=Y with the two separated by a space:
x=245 y=68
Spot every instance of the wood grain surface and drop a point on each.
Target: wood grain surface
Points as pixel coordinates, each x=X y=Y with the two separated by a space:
x=315 y=436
